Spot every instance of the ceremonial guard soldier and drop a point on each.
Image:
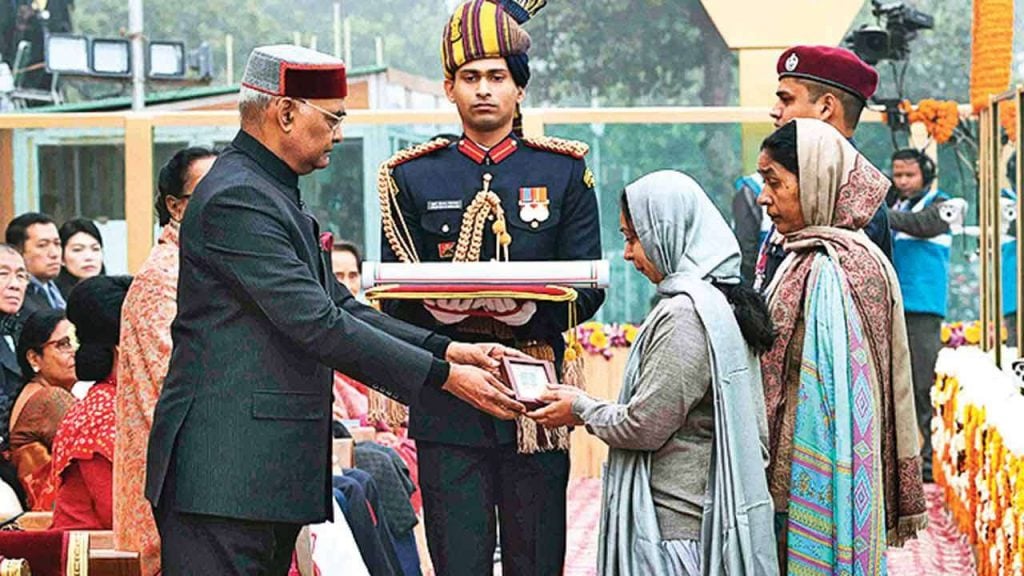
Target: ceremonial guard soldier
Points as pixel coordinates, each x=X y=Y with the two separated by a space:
x=491 y=194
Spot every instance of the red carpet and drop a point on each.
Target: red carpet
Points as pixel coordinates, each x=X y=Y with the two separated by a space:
x=940 y=551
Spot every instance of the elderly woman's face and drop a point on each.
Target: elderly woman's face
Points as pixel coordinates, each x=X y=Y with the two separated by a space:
x=634 y=252
x=781 y=195
x=56 y=363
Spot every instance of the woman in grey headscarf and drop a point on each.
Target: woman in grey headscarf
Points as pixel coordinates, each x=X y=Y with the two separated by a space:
x=684 y=490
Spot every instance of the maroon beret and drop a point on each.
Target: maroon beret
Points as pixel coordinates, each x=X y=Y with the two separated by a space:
x=830 y=65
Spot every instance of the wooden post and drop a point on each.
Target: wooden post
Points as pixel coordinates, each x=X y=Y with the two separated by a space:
x=6 y=178
x=1019 y=189
x=229 y=57
x=138 y=187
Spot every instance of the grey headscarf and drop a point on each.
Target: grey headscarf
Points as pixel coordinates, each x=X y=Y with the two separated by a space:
x=682 y=232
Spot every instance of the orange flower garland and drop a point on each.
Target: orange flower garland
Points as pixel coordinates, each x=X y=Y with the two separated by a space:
x=1008 y=119
x=982 y=479
x=991 y=50
x=940 y=117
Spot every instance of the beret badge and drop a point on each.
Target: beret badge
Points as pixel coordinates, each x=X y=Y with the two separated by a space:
x=792 y=62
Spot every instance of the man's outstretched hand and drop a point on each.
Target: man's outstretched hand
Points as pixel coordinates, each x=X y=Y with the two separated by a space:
x=485 y=355
x=483 y=391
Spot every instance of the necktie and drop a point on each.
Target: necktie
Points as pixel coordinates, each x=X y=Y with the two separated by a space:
x=53 y=295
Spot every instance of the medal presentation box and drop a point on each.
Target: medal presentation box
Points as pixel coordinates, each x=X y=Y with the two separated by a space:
x=528 y=378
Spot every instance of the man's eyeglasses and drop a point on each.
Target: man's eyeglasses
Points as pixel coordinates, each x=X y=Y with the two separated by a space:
x=333 y=120
x=65 y=344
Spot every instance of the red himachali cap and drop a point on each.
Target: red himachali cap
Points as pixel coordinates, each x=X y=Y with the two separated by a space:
x=296 y=72
x=830 y=65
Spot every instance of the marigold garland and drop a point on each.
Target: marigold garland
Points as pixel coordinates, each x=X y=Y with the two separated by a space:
x=1008 y=119
x=982 y=479
x=940 y=117
x=991 y=50
x=957 y=334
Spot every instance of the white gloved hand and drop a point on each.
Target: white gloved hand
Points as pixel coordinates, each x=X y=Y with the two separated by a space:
x=447 y=311
x=496 y=305
x=505 y=310
x=519 y=315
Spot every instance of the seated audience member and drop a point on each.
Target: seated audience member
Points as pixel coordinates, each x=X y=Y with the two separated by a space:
x=35 y=236
x=82 y=247
x=13 y=282
x=144 y=353
x=351 y=400
x=46 y=354
x=347 y=263
x=83 y=449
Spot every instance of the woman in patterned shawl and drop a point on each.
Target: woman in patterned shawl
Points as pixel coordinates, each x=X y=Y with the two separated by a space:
x=145 y=352
x=845 y=472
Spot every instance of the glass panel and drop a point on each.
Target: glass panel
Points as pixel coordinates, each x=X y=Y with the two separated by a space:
x=621 y=153
x=74 y=173
x=343 y=197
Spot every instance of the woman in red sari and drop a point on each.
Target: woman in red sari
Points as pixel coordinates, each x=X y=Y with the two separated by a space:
x=46 y=354
x=83 y=450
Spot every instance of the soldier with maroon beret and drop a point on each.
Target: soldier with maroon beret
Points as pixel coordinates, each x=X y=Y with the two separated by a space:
x=833 y=85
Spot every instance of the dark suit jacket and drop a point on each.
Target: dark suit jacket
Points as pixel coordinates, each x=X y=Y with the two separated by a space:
x=244 y=418
x=11 y=384
x=35 y=299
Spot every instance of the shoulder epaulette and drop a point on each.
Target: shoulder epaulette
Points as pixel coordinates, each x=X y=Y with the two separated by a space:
x=397 y=233
x=418 y=151
x=573 y=148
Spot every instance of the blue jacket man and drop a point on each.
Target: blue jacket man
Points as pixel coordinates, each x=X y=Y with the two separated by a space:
x=921 y=258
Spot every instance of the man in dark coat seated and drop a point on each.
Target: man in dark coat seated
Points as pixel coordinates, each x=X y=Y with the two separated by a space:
x=239 y=455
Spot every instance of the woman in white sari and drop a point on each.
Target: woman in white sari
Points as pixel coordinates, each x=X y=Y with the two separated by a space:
x=684 y=490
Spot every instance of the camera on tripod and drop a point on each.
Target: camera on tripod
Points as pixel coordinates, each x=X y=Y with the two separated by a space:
x=874 y=43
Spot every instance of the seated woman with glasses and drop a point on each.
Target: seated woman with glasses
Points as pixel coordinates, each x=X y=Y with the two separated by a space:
x=46 y=354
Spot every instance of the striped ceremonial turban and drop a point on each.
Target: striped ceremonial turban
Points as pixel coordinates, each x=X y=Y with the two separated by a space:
x=480 y=29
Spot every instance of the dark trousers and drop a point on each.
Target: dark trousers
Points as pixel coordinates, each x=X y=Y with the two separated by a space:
x=924 y=336
x=198 y=544
x=466 y=489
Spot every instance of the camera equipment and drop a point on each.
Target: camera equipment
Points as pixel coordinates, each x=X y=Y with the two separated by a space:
x=874 y=43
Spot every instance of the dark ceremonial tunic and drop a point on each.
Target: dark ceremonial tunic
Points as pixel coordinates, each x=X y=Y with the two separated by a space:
x=434 y=192
x=471 y=473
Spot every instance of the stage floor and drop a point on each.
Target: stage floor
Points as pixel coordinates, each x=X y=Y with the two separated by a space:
x=940 y=551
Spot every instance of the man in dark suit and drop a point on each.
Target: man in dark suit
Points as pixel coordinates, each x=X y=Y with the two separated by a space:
x=35 y=235
x=239 y=454
x=13 y=281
